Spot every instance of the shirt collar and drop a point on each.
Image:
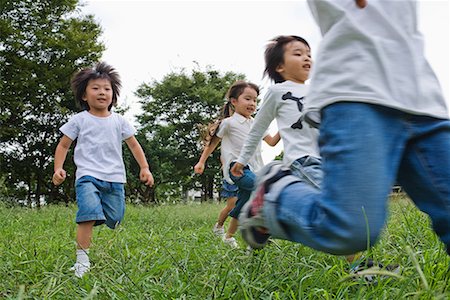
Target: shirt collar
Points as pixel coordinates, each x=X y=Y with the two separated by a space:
x=240 y=118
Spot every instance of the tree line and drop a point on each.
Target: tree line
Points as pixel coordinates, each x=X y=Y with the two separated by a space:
x=42 y=44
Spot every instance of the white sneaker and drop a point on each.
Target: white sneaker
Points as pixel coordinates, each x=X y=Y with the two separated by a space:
x=80 y=269
x=231 y=242
x=218 y=230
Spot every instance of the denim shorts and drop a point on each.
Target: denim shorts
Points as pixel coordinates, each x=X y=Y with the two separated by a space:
x=228 y=190
x=245 y=184
x=100 y=201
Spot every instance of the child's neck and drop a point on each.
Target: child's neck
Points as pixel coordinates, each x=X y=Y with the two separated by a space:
x=247 y=117
x=99 y=113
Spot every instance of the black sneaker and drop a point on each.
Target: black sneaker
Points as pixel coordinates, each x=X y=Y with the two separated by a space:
x=370 y=270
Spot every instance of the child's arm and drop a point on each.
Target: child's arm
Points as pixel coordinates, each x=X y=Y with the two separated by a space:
x=237 y=169
x=272 y=140
x=264 y=117
x=59 y=174
x=200 y=166
x=144 y=175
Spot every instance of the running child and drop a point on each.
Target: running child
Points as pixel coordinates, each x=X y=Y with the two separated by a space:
x=383 y=117
x=232 y=133
x=229 y=191
x=100 y=174
x=288 y=63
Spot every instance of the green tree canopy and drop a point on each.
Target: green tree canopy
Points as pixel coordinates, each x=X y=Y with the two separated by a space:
x=42 y=44
x=172 y=110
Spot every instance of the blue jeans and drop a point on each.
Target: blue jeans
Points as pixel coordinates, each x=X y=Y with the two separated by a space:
x=246 y=185
x=309 y=169
x=365 y=149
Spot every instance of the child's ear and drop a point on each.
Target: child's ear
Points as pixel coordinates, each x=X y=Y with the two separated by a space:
x=280 y=68
x=233 y=101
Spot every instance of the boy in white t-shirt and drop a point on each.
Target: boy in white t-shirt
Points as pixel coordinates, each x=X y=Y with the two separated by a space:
x=384 y=118
x=100 y=174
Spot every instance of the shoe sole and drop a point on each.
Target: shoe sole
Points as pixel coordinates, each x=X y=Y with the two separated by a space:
x=248 y=227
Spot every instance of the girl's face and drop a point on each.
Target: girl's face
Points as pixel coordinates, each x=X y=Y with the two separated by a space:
x=296 y=63
x=98 y=96
x=245 y=104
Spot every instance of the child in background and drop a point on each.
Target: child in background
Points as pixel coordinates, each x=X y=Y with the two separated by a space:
x=229 y=191
x=383 y=118
x=100 y=174
x=232 y=133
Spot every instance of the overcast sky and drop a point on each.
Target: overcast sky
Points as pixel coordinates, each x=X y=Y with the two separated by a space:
x=145 y=40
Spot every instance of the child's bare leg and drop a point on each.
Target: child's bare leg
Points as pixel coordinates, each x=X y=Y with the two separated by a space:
x=351 y=258
x=84 y=234
x=231 y=202
x=232 y=228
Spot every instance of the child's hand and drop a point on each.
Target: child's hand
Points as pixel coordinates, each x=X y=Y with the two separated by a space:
x=199 y=168
x=361 y=3
x=59 y=176
x=237 y=169
x=146 y=177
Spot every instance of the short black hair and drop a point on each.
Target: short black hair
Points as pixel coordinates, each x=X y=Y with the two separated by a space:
x=101 y=70
x=274 y=55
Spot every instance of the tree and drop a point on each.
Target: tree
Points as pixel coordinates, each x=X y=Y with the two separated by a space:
x=172 y=110
x=43 y=43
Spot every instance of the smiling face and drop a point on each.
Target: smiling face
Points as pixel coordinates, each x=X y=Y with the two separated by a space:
x=98 y=96
x=296 y=62
x=245 y=104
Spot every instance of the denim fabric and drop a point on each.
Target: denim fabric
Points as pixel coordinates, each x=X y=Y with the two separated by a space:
x=100 y=201
x=246 y=184
x=308 y=168
x=228 y=190
x=364 y=149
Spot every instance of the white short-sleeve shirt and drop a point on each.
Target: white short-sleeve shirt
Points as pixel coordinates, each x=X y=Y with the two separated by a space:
x=234 y=131
x=98 y=150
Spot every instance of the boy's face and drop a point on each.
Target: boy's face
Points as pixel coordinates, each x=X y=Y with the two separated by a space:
x=98 y=95
x=297 y=62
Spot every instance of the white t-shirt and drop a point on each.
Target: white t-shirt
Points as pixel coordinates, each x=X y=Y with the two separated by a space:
x=373 y=55
x=98 y=151
x=283 y=102
x=234 y=131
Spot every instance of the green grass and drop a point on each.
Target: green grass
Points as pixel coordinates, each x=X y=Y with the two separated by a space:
x=169 y=252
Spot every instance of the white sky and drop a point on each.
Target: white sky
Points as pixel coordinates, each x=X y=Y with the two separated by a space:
x=146 y=40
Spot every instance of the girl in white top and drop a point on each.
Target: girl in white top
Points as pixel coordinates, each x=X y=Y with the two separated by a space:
x=232 y=132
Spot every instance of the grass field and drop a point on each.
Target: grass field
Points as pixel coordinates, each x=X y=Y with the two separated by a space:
x=170 y=252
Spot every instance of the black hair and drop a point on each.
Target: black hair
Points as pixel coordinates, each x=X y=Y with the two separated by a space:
x=274 y=55
x=101 y=70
